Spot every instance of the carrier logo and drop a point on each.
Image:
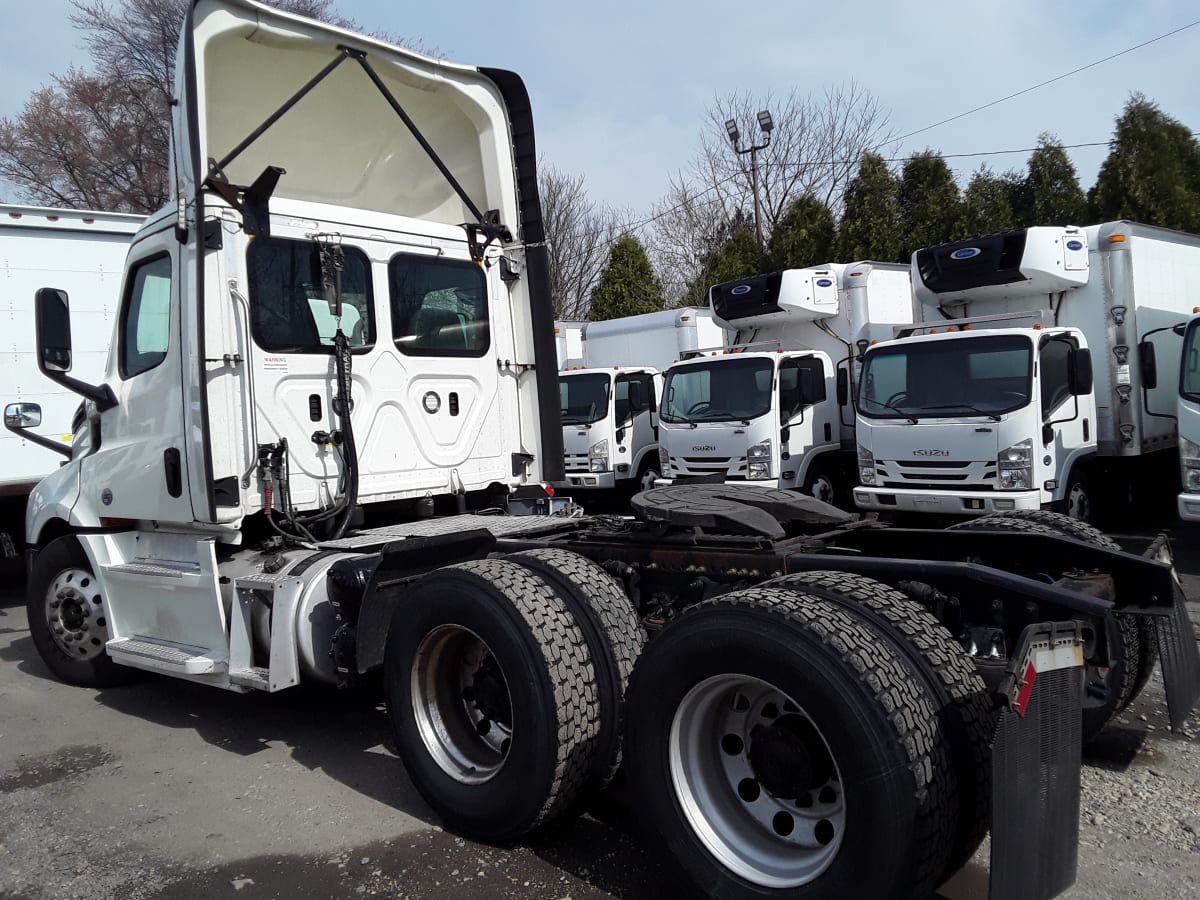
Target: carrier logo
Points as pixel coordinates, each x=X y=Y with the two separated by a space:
x=931 y=453
x=1074 y=245
x=823 y=282
x=965 y=253
x=740 y=289
x=704 y=448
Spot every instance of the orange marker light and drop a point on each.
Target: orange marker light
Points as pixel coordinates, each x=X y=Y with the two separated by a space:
x=1116 y=238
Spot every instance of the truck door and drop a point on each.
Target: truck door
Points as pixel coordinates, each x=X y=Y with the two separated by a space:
x=1070 y=418
x=803 y=391
x=139 y=470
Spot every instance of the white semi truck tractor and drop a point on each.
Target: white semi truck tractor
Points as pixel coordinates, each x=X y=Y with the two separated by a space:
x=609 y=403
x=775 y=407
x=84 y=251
x=1189 y=421
x=1031 y=381
x=325 y=389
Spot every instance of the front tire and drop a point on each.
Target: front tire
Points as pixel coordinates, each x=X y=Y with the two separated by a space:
x=779 y=747
x=68 y=617
x=822 y=483
x=492 y=697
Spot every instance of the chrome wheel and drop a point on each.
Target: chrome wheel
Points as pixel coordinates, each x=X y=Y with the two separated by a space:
x=75 y=614
x=756 y=781
x=461 y=704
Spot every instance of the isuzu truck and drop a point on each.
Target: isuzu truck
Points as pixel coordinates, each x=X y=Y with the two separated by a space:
x=774 y=408
x=610 y=403
x=334 y=373
x=1042 y=375
x=83 y=251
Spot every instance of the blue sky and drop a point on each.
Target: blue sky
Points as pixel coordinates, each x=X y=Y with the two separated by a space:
x=620 y=90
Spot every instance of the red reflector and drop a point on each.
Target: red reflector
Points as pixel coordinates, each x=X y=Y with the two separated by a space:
x=549 y=490
x=1020 y=704
x=88 y=220
x=13 y=215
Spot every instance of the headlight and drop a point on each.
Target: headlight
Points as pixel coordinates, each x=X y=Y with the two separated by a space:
x=664 y=462
x=1189 y=463
x=758 y=461
x=1016 y=467
x=598 y=456
x=866 y=465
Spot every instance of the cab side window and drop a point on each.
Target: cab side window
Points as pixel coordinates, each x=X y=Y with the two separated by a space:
x=146 y=318
x=1055 y=388
x=801 y=384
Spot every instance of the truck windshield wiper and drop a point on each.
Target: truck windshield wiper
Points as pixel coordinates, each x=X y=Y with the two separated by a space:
x=992 y=417
x=912 y=420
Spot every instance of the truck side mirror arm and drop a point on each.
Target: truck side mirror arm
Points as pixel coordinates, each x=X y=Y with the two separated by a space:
x=53 y=325
x=19 y=417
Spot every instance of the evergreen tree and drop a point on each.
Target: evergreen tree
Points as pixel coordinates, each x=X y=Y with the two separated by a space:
x=1152 y=173
x=870 y=226
x=734 y=256
x=986 y=205
x=627 y=286
x=803 y=237
x=928 y=203
x=1051 y=188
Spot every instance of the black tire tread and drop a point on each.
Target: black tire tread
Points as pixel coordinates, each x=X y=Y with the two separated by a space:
x=900 y=699
x=1074 y=528
x=614 y=632
x=568 y=665
x=955 y=688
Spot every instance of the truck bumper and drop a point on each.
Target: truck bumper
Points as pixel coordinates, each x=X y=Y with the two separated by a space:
x=967 y=503
x=596 y=481
x=1189 y=507
x=772 y=483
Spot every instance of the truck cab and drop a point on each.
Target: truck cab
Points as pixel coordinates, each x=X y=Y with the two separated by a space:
x=609 y=427
x=956 y=422
x=747 y=413
x=1189 y=422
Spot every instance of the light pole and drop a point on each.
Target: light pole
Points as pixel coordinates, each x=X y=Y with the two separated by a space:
x=767 y=125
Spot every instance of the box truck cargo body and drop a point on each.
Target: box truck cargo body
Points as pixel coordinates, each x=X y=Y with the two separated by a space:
x=1189 y=422
x=1043 y=373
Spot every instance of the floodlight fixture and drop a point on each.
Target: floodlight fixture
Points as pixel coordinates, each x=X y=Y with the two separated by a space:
x=765 y=122
x=734 y=134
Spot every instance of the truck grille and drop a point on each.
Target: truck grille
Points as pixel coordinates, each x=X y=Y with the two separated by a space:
x=937 y=475
x=575 y=462
x=707 y=465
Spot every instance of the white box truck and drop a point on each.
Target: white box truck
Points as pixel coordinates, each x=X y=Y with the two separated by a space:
x=610 y=403
x=1030 y=382
x=83 y=251
x=774 y=408
x=305 y=335
x=1189 y=421
x=568 y=343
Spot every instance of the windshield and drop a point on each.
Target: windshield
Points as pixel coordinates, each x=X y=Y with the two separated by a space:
x=724 y=390
x=985 y=375
x=583 y=399
x=1189 y=372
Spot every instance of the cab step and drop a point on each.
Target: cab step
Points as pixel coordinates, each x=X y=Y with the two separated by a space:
x=142 y=652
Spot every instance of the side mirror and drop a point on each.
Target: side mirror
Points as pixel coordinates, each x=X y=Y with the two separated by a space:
x=620 y=435
x=53 y=324
x=843 y=387
x=785 y=434
x=1149 y=364
x=22 y=415
x=1079 y=371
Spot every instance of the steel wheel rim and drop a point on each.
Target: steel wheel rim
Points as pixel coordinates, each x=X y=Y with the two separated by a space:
x=459 y=698
x=1079 y=506
x=729 y=799
x=822 y=489
x=648 y=479
x=74 y=611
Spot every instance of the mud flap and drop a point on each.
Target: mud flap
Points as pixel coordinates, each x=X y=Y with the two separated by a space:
x=1036 y=766
x=1177 y=650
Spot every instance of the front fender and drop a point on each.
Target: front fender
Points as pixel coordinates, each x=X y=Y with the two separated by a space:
x=55 y=497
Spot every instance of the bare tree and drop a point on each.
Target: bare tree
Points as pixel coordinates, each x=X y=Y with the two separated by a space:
x=579 y=235
x=815 y=148
x=101 y=139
